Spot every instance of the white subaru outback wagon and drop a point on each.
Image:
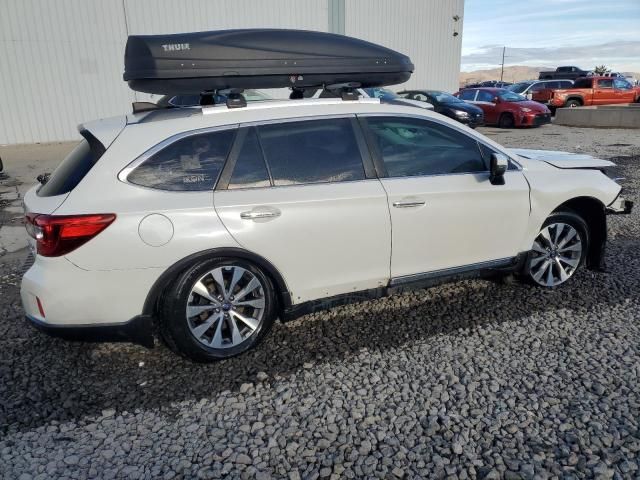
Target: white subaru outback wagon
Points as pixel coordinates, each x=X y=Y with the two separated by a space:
x=206 y=224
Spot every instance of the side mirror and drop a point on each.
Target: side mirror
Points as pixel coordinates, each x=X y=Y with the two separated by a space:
x=499 y=165
x=1 y=166
x=496 y=100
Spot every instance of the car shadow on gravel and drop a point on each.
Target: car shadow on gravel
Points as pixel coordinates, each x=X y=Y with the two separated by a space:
x=45 y=379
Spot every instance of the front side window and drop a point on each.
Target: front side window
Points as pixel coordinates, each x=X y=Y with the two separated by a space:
x=621 y=84
x=414 y=147
x=311 y=151
x=191 y=163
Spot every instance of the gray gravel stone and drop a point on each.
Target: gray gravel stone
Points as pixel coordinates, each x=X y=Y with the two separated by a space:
x=469 y=380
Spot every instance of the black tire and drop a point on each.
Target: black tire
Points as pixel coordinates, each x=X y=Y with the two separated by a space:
x=173 y=324
x=578 y=223
x=572 y=103
x=506 y=121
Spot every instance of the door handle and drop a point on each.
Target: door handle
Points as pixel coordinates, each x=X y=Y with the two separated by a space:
x=258 y=213
x=408 y=203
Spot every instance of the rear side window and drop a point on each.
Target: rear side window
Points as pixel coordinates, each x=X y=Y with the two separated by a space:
x=583 y=83
x=312 y=151
x=191 y=163
x=412 y=147
x=73 y=168
x=484 y=96
x=250 y=170
x=468 y=94
x=605 y=83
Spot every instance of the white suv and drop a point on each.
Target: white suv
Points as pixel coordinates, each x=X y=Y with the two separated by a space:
x=209 y=223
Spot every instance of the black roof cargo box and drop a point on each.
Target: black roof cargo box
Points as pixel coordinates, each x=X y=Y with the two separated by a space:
x=257 y=58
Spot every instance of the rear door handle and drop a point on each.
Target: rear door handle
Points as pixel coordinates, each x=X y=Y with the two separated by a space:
x=260 y=212
x=408 y=203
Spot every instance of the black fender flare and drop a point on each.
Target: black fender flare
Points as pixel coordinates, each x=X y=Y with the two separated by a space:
x=163 y=281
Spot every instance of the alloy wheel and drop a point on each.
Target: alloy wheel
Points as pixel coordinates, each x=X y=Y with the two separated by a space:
x=225 y=307
x=556 y=254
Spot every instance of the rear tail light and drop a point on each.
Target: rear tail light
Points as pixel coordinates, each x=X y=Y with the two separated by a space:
x=58 y=235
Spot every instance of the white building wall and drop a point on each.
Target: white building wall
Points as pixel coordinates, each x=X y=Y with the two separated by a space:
x=61 y=62
x=422 y=29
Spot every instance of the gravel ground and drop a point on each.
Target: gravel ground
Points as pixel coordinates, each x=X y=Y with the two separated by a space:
x=469 y=380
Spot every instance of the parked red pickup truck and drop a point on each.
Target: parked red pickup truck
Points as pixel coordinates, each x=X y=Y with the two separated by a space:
x=590 y=91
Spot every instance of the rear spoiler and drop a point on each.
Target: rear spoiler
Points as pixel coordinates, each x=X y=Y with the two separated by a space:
x=101 y=133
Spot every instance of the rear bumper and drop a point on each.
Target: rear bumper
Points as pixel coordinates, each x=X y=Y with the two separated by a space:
x=138 y=330
x=69 y=302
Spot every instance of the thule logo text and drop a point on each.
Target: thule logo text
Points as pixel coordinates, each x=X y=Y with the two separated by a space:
x=176 y=47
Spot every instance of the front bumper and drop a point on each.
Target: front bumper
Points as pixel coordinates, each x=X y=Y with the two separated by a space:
x=620 y=206
x=535 y=119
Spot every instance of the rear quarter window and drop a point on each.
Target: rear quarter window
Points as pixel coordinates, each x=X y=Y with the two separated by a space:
x=73 y=168
x=191 y=163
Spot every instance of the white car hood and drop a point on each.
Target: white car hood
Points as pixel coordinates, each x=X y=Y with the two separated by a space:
x=563 y=159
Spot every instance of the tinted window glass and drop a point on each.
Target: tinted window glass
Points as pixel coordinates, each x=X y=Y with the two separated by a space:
x=312 y=151
x=565 y=84
x=605 y=83
x=468 y=94
x=190 y=164
x=486 y=154
x=536 y=87
x=250 y=170
x=583 y=83
x=484 y=96
x=412 y=147
x=621 y=84
x=71 y=171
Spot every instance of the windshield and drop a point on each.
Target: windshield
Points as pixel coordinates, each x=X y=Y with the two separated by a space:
x=519 y=87
x=443 y=97
x=508 y=96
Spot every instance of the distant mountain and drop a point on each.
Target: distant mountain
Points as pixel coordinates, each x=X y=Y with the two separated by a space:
x=516 y=73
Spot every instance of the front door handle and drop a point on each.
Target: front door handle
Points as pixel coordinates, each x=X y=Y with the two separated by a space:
x=260 y=212
x=408 y=203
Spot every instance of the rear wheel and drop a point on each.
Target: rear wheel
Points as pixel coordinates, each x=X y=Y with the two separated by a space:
x=217 y=309
x=572 y=103
x=559 y=249
x=506 y=121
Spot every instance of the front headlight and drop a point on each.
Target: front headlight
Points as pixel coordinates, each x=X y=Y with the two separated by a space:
x=461 y=114
x=526 y=110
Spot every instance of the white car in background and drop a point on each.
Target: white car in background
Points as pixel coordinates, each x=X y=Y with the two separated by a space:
x=209 y=223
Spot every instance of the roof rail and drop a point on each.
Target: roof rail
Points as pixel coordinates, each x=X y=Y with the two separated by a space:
x=268 y=104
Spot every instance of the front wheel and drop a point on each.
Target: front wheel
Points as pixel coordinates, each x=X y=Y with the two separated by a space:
x=559 y=249
x=572 y=104
x=217 y=309
x=506 y=121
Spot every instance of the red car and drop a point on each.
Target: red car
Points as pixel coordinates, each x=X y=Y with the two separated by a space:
x=505 y=108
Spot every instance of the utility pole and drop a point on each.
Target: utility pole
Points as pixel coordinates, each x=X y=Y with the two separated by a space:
x=502 y=68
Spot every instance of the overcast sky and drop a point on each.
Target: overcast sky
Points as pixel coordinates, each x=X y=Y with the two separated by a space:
x=551 y=33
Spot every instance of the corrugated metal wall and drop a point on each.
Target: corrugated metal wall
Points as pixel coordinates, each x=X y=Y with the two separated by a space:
x=61 y=61
x=422 y=29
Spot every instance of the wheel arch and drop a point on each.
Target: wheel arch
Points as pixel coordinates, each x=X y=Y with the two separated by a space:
x=593 y=211
x=575 y=97
x=164 y=280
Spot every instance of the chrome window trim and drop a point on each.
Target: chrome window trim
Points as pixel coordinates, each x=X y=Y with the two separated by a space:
x=305 y=118
x=126 y=171
x=454 y=127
